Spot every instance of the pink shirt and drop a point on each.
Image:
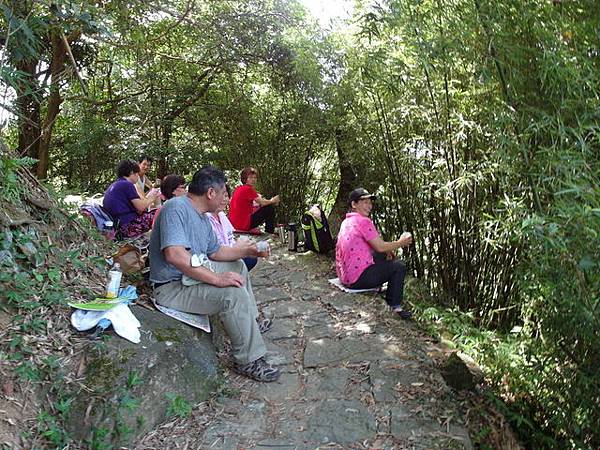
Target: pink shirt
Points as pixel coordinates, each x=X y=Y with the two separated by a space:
x=222 y=228
x=353 y=254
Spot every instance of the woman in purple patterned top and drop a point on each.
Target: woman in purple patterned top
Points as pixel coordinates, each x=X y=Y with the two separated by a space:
x=124 y=204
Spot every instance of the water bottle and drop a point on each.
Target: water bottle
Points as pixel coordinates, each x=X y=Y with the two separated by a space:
x=109 y=230
x=292 y=237
x=114 y=281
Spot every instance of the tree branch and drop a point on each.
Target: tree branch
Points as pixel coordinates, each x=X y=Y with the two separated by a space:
x=73 y=63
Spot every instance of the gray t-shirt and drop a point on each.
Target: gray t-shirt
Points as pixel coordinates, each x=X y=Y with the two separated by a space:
x=178 y=223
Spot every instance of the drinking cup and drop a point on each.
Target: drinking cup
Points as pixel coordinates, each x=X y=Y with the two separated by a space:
x=264 y=249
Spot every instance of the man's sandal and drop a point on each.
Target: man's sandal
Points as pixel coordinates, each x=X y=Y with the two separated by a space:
x=258 y=370
x=264 y=325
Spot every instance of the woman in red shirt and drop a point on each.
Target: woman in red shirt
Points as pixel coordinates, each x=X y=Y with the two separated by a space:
x=248 y=209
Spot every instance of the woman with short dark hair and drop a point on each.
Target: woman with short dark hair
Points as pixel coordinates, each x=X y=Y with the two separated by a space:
x=124 y=204
x=125 y=167
x=248 y=208
x=171 y=186
x=144 y=183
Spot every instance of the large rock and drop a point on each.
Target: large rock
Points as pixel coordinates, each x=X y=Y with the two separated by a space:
x=461 y=372
x=132 y=387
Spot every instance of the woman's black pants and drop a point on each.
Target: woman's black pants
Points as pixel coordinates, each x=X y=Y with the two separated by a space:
x=376 y=274
x=266 y=215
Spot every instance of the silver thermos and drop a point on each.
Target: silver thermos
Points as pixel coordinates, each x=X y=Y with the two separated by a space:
x=282 y=234
x=292 y=237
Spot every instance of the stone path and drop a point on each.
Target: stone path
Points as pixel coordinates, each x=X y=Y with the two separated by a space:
x=354 y=377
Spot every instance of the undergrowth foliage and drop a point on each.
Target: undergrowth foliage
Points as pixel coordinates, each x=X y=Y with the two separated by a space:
x=484 y=119
x=11 y=191
x=42 y=266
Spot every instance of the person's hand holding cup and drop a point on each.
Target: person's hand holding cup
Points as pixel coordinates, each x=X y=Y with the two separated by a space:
x=153 y=193
x=264 y=249
x=247 y=246
x=405 y=239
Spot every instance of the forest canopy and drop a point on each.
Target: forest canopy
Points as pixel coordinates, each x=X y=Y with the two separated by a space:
x=477 y=123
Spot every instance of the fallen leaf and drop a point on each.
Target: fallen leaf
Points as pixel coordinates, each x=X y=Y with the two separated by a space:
x=8 y=388
x=81 y=367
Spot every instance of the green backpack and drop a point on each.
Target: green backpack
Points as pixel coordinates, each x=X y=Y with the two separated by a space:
x=317 y=237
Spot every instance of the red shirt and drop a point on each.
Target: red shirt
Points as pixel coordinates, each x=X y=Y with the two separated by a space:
x=241 y=208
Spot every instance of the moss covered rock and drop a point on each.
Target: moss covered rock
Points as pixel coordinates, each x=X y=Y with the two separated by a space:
x=130 y=388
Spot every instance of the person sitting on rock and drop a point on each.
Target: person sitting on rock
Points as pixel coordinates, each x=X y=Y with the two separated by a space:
x=248 y=208
x=355 y=264
x=224 y=229
x=124 y=204
x=192 y=273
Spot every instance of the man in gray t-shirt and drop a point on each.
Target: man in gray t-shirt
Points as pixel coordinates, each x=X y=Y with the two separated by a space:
x=181 y=225
x=222 y=285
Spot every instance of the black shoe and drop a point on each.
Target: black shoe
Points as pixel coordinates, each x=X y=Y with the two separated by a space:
x=258 y=370
x=402 y=313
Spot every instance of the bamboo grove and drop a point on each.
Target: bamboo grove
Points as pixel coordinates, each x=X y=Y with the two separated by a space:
x=476 y=122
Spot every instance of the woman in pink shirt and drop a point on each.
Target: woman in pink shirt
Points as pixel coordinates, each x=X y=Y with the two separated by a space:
x=224 y=229
x=354 y=262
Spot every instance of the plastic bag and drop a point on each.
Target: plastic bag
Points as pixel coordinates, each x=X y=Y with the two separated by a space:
x=130 y=258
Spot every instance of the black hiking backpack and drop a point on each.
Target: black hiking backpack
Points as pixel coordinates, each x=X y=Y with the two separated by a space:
x=317 y=237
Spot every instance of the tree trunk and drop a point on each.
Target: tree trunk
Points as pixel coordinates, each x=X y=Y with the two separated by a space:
x=57 y=68
x=162 y=169
x=28 y=108
x=27 y=105
x=347 y=181
x=167 y=122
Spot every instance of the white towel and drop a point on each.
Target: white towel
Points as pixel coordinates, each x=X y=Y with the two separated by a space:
x=197 y=261
x=123 y=321
x=200 y=321
x=337 y=283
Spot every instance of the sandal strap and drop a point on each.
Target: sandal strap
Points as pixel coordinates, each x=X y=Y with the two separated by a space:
x=259 y=370
x=264 y=325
